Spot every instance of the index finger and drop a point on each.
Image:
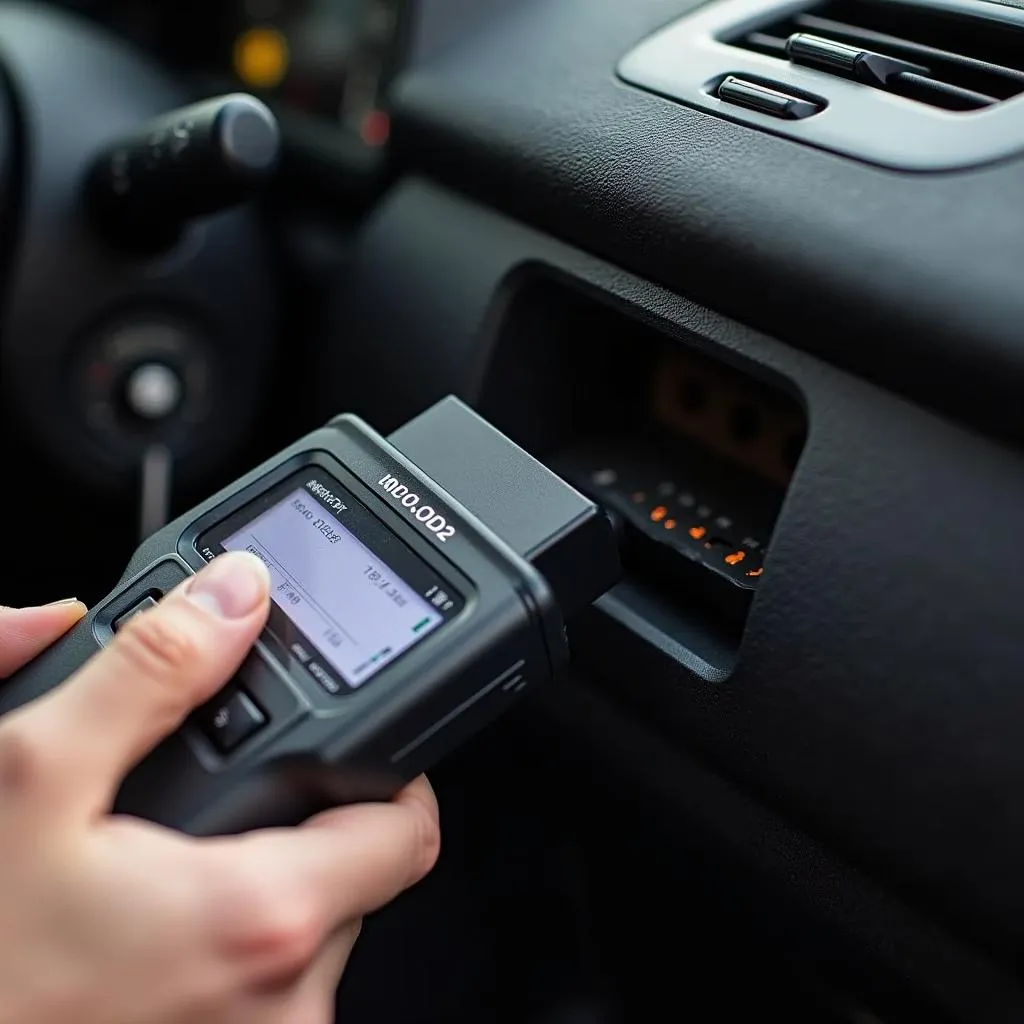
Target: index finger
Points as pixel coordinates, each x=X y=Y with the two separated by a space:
x=27 y=632
x=347 y=862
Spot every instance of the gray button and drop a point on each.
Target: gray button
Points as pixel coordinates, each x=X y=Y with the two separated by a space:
x=230 y=720
x=137 y=609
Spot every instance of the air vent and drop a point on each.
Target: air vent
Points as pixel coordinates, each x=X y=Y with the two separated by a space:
x=922 y=85
x=947 y=60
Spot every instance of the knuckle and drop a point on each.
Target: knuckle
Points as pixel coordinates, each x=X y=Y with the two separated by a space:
x=160 y=649
x=290 y=937
x=283 y=932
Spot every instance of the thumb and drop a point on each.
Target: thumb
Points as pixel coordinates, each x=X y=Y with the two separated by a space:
x=161 y=665
x=27 y=632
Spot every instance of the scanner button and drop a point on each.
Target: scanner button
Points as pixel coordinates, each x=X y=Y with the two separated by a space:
x=230 y=720
x=143 y=606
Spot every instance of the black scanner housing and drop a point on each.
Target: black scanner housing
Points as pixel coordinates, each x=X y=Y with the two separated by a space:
x=532 y=509
x=526 y=550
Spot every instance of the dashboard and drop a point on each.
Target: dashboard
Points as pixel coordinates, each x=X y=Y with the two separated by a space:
x=327 y=65
x=579 y=227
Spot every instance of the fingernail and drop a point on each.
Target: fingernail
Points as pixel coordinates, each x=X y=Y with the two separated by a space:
x=63 y=600
x=231 y=586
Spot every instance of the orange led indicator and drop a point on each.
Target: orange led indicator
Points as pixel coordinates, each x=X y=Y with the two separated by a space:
x=261 y=57
x=670 y=524
x=698 y=532
x=735 y=558
x=659 y=513
x=756 y=572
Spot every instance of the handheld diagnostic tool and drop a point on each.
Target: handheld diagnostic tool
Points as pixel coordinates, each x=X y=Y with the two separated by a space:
x=419 y=585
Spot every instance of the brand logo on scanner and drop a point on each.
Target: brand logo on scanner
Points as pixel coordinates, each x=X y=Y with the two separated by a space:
x=410 y=501
x=327 y=496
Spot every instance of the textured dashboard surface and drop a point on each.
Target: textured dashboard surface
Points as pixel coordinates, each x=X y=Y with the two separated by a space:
x=911 y=280
x=876 y=703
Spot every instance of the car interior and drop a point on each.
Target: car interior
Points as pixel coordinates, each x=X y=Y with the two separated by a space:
x=749 y=274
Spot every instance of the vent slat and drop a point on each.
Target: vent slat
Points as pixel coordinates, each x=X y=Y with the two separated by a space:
x=904 y=47
x=774 y=46
x=952 y=97
x=961 y=63
x=943 y=28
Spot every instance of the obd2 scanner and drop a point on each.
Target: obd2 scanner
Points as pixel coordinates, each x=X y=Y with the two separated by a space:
x=419 y=585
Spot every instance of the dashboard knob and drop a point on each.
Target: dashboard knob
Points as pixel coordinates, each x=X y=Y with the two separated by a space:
x=144 y=188
x=153 y=391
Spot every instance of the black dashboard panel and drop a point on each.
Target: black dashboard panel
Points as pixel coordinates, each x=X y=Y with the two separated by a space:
x=911 y=280
x=876 y=702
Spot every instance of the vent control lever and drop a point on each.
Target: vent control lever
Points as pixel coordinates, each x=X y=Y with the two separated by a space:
x=767 y=100
x=871 y=68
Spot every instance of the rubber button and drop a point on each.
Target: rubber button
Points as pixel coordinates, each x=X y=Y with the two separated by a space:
x=143 y=606
x=230 y=720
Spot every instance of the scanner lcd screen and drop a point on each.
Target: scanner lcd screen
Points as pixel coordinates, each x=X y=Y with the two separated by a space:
x=343 y=605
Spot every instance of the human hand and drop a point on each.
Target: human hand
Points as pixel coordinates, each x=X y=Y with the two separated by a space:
x=26 y=632
x=112 y=920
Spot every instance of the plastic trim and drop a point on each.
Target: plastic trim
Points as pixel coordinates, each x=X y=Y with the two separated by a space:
x=686 y=59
